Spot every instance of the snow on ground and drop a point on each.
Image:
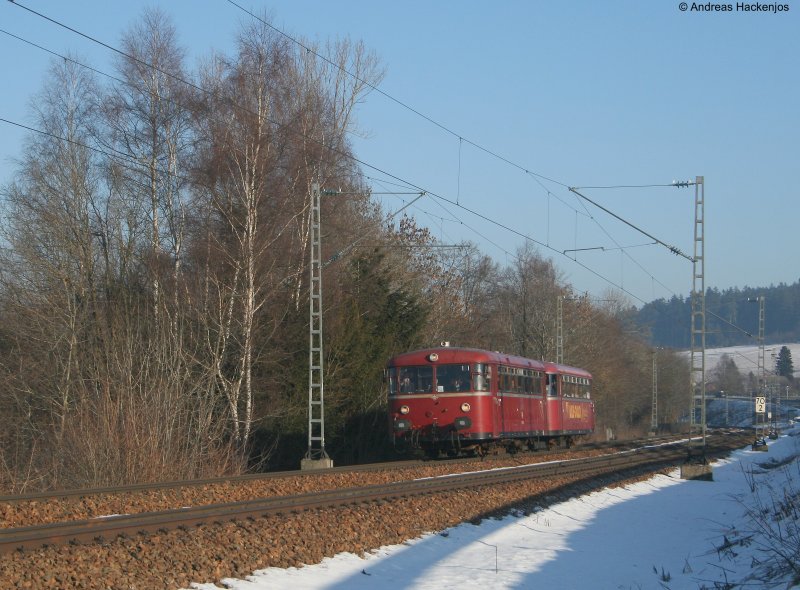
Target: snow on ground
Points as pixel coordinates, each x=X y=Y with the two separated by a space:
x=746 y=357
x=664 y=533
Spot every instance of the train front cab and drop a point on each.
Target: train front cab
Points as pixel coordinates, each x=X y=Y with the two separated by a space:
x=439 y=406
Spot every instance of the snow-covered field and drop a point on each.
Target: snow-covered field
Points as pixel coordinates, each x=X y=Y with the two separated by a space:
x=746 y=357
x=664 y=533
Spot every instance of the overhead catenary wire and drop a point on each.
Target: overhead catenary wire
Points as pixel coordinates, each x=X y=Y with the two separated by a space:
x=624 y=250
x=457 y=202
x=672 y=249
x=461 y=139
x=515 y=257
x=207 y=92
x=536 y=176
x=503 y=226
x=615 y=186
x=401 y=103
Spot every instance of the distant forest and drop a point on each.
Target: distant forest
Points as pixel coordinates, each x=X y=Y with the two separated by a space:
x=731 y=317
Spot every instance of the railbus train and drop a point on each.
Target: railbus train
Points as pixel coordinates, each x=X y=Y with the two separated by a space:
x=463 y=400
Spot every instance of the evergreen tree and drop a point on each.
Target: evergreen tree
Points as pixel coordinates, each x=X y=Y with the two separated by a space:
x=783 y=365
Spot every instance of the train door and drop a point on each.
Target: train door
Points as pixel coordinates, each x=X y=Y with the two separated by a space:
x=511 y=401
x=553 y=408
x=504 y=409
x=497 y=402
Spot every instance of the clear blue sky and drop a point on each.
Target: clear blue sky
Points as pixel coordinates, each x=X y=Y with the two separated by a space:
x=587 y=93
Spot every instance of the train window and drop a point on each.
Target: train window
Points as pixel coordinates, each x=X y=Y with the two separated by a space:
x=572 y=386
x=538 y=383
x=507 y=381
x=452 y=378
x=552 y=385
x=481 y=377
x=414 y=380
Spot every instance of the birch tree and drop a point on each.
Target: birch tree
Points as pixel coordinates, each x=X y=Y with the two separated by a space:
x=53 y=212
x=150 y=120
x=530 y=289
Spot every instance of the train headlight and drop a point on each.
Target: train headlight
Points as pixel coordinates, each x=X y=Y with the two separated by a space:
x=404 y=410
x=465 y=407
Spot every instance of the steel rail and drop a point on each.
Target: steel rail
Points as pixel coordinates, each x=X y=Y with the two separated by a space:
x=111 y=527
x=402 y=464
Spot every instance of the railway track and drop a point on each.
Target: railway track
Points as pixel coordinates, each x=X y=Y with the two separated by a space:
x=85 y=504
x=575 y=470
x=274 y=475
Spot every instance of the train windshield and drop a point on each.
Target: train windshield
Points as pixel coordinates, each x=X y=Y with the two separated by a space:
x=452 y=378
x=411 y=380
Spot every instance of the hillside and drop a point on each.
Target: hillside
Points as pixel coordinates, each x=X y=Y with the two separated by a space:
x=731 y=317
x=746 y=357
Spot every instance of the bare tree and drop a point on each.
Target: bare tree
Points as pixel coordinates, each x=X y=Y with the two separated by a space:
x=108 y=391
x=244 y=154
x=275 y=122
x=149 y=118
x=725 y=376
x=328 y=82
x=53 y=211
x=530 y=289
x=480 y=278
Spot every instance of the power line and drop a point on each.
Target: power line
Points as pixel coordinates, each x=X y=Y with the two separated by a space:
x=536 y=176
x=631 y=246
x=405 y=105
x=628 y=186
x=503 y=226
x=672 y=249
x=212 y=94
x=528 y=238
x=422 y=192
x=624 y=250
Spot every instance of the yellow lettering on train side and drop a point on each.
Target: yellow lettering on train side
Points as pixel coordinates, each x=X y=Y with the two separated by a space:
x=577 y=411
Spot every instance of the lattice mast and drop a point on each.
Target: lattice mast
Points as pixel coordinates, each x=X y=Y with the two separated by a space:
x=654 y=408
x=697 y=374
x=560 y=330
x=316 y=390
x=760 y=420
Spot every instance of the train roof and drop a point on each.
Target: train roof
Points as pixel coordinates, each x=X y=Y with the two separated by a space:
x=455 y=354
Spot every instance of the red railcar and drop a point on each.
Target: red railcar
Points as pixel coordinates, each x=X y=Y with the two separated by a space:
x=453 y=400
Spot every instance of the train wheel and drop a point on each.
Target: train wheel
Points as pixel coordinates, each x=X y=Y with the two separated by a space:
x=432 y=452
